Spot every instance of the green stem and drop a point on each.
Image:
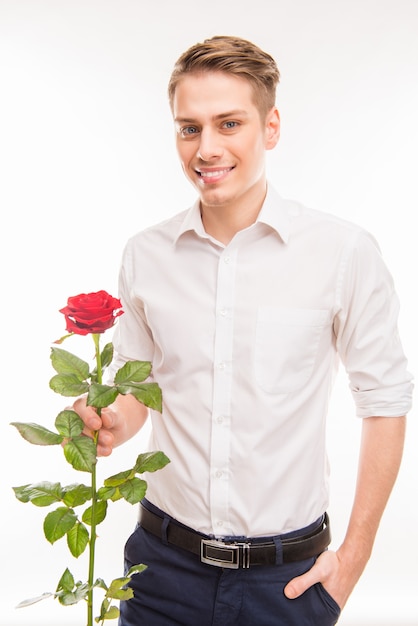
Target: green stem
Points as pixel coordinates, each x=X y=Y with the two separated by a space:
x=93 y=535
x=96 y=339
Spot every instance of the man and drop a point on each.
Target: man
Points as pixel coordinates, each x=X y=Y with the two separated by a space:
x=244 y=303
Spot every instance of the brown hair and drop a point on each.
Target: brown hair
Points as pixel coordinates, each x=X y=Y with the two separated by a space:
x=235 y=56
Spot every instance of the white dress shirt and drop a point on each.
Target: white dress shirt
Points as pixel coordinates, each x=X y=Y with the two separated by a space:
x=245 y=341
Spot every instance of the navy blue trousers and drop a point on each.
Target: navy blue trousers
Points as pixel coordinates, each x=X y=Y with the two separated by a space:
x=177 y=589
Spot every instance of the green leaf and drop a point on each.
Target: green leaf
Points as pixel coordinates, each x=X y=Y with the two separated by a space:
x=107 y=355
x=22 y=493
x=122 y=594
x=117 y=496
x=113 y=611
x=68 y=593
x=107 y=611
x=150 y=462
x=58 y=523
x=40 y=494
x=77 y=539
x=68 y=385
x=69 y=424
x=147 y=393
x=100 y=513
x=136 y=569
x=75 y=495
x=100 y=396
x=80 y=452
x=133 y=371
x=100 y=583
x=66 y=582
x=103 y=609
x=118 y=479
x=65 y=362
x=106 y=358
x=70 y=598
x=106 y=493
x=133 y=490
x=118 y=585
x=36 y=434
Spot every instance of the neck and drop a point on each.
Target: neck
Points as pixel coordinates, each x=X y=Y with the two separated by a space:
x=223 y=222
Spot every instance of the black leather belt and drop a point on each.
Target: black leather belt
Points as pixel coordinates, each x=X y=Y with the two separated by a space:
x=237 y=554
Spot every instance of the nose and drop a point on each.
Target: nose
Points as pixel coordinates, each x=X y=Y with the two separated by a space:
x=210 y=145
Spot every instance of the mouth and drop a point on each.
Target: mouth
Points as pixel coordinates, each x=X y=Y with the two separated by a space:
x=213 y=175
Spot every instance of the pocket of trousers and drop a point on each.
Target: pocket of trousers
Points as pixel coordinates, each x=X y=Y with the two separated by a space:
x=328 y=600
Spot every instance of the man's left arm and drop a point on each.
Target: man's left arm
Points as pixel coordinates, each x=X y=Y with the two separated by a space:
x=380 y=457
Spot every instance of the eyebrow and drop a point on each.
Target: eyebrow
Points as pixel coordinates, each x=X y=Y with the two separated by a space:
x=220 y=116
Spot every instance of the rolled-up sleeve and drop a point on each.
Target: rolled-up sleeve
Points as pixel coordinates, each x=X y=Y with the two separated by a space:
x=367 y=333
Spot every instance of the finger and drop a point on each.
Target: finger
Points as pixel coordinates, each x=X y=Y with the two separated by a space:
x=90 y=418
x=104 y=443
x=321 y=569
x=103 y=450
x=92 y=423
x=297 y=586
x=108 y=418
x=88 y=414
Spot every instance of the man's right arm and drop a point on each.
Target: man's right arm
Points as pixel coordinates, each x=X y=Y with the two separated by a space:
x=116 y=424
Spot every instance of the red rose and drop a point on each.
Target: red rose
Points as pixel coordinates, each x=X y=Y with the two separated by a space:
x=91 y=312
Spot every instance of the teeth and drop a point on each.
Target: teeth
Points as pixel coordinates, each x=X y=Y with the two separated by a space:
x=214 y=174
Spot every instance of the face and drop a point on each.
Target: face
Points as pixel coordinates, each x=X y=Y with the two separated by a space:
x=221 y=138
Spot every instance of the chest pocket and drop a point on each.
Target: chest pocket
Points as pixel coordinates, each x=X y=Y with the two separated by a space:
x=286 y=347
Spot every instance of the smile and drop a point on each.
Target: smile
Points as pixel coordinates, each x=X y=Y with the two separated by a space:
x=213 y=175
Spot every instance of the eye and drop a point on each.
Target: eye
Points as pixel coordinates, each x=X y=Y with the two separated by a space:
x=230 y=125
x=188 y=131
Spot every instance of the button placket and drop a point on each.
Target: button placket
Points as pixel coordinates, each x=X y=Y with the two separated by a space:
x=222 y=383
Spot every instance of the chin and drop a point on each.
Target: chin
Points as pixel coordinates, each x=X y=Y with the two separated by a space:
x=214 y=200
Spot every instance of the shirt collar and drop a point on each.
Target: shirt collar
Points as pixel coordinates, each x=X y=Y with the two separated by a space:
x=192 y=221
x=273 y=213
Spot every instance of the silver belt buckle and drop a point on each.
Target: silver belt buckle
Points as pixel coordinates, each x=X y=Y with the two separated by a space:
x=222 y=554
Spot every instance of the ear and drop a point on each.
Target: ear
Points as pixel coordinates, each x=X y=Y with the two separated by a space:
x=272 y=126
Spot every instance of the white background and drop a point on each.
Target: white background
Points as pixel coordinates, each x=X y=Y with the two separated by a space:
x=87 y=158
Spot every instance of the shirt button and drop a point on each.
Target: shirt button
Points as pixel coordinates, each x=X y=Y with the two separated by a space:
x=222 y=365
x=219 y=523
x=218 y=474
x=222 y=312
x=220 y=419
x=227 y=259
